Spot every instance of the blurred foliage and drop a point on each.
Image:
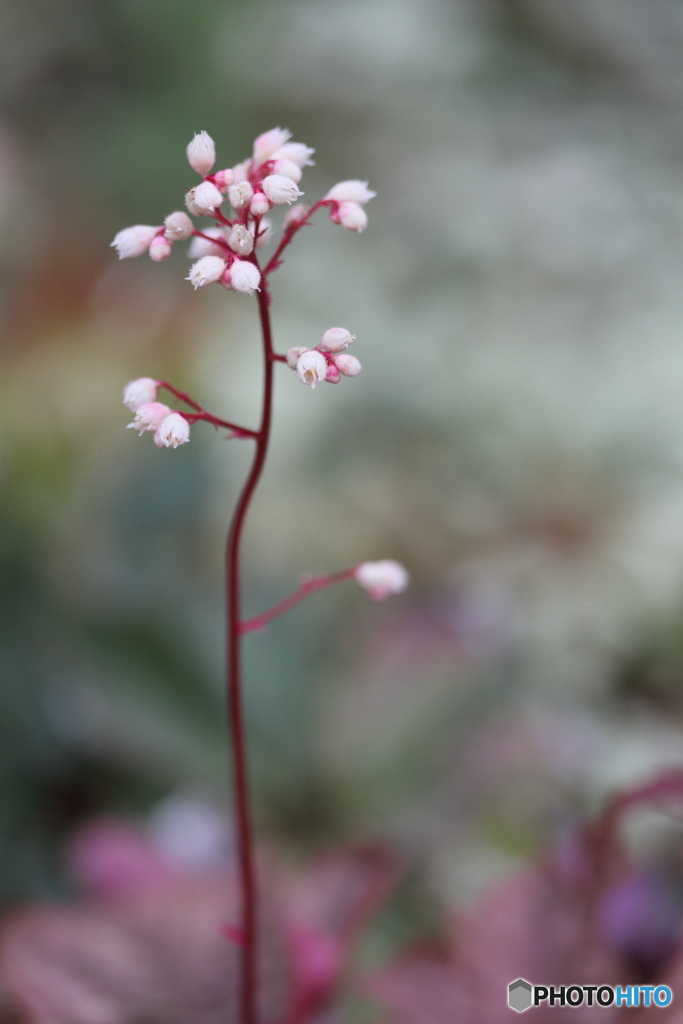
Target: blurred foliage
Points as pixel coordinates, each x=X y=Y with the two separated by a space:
x=514 y=437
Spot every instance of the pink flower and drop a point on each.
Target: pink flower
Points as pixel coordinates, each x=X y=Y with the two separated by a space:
x=203 y=247
x=351 y=191
x=296 y=152
x=178 y=226
x=335 y=339
x=134 y=241
x=241 y=240
x=203 y=199
x=280 y=189
x=311 y=367
x=260 y=204
x=160 y=249
x=139 y=392
x=381 y=579
x=288 y=169
x=201 y=153
x=173 y=431
x=347 y=364
x=206 y=271
x=244 y=277
x=268 y=143
x=240 y=194
x=148 y=416
x=351 y=216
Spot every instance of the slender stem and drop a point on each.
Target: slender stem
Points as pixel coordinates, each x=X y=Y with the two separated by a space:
x=248 y=951
x=304 y=591
x=275 y=261
x=202 y=414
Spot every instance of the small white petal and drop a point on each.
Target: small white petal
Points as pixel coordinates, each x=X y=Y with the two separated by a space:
x=173 y=430
x=351 y=191
x=336 y=339
x=311 y=367
x=148 y=416
x=178 y=226
x=268 y=143
x=346 y=364
x=139 y=392
x=244 y=277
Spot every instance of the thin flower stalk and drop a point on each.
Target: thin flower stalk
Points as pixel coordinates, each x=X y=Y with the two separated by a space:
x=226 y=255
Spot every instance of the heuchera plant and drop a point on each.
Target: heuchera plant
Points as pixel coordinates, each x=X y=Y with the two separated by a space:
x=227 y=254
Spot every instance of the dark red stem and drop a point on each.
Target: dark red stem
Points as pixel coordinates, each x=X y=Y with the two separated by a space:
x=289 y=233
x=202 y=414
x=305 y=590
x=245 y=842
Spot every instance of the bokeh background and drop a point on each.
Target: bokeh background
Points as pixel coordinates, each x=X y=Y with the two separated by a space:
x=515 y=439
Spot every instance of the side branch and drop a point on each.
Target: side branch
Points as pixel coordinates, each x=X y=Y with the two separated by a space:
x=201 y=413
x=307 y=588
x=289 y=233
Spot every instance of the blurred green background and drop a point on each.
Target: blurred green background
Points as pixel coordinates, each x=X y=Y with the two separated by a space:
x=516 y=437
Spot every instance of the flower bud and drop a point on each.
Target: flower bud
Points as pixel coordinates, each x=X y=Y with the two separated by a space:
x=206 y=271
x=240 y=195
x=288 y=169
x=201 y=153
x=280 y=189
x=203 y=247
x=351 y=192
x=174 y=430
x=241 y=240
x=134 y=241
x=259 y=204
x=332 y=375
x=296 y=152
x=265 y=230
x=160 y=249
x=346 y=364
x=244 y=277
x=295 y=214
x=203 y=199
x=380 y=579
x=224 y=179
x=293 y=355
x=268 y=143
x=139 y=392
x=178 y=226
x=351 y=216
x=148 y=416
x=336 y=339
x=311 y=367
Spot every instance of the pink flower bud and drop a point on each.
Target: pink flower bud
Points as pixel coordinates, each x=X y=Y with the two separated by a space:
x=201 y=153
x=160 y=249
x=296 y=152
x=265 y=230
x=206 y=271
x=148 y=416
x=203 y=199
x=280 y=189
x=241 y=240
x=311 y=367
x=380 y=579
x=178 y=226
x=346 y=364
x=268 y=143
x=240 y=195
x=336 y=339
x=351 y=192
x=203 y=247
x=134 y=241
x=174 y=430
x=259 y=204
x=332 y=375
x=224 y=179
x=293 y=355
x=139 y=392
x=288 y=169
x=295 y=214
x=244 y=277
x=351 y=216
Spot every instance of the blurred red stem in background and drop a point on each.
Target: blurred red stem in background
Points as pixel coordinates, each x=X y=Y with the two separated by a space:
x=307 y=587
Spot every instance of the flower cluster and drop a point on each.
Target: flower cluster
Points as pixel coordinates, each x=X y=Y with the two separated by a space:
x=327 y=361
x=225 y=253
x=170 y=428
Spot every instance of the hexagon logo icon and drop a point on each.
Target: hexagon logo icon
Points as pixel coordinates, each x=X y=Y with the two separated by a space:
x=519 y=995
